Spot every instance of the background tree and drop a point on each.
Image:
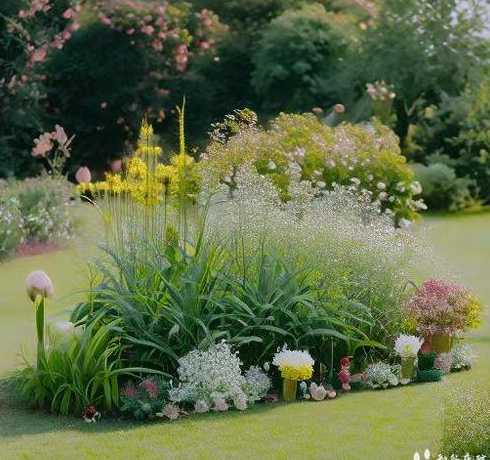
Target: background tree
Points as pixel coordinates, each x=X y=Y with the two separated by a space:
x=421 y=48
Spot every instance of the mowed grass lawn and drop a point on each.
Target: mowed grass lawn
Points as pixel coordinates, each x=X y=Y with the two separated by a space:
x=388 y=424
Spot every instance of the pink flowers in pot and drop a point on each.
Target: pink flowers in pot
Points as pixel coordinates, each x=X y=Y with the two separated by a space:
x=442 y=307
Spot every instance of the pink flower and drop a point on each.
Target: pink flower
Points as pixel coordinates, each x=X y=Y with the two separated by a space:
x=151 y=388
x=68 y=14
x=39 y=283
x=439 y=307
x=181 y=57
x=147 y=30
x=83 y=175
x=39 y=55
x=42 y=145
x=105 y=20
x=129 y=390
x=59 y=135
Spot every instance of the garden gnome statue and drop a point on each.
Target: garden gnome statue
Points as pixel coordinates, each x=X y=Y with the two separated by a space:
x=344 y=374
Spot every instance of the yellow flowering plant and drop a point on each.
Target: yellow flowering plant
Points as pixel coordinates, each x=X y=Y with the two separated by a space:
x=136 y=201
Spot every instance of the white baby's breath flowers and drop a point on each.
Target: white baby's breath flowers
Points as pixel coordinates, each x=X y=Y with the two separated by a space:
x=210 y=377
x=407 y=346
x=382 y=375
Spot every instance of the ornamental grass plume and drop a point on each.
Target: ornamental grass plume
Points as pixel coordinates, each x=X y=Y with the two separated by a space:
x=294 y=364
x=442 y=307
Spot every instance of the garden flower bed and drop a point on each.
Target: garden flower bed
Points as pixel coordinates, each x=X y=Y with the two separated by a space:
x=209 y=299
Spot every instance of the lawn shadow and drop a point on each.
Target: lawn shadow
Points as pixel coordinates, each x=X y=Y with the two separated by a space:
x=17 y=420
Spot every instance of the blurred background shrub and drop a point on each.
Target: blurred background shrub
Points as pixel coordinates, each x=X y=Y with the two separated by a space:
x=98 y=66
x=34 y=210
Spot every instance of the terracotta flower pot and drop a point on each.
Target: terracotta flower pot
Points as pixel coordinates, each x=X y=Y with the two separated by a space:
x=408 y=368
x=441 y=343
x=289 y=388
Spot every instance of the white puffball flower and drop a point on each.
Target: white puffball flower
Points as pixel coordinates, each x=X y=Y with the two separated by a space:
x=64 y=329
x=39 y=283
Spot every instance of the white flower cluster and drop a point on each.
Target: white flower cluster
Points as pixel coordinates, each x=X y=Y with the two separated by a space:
x=292 y=358
x=407 y=346
x=212 y=379
x=463 y=357
x=257 y=383
x=382 y=375
x=380 y=91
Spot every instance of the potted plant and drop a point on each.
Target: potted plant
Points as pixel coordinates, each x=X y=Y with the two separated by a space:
x=442 y=309
x=294 y=366
x=407 y=347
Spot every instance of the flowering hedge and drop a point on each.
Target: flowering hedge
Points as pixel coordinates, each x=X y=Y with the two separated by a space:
x=95 y=66
x=366 y=159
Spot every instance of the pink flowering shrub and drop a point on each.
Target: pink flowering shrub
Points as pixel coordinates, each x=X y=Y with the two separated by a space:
x=442 y=307
x=145 y=399
x=135 y=49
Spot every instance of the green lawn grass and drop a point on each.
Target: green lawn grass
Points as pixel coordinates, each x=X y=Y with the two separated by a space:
x=389 y=424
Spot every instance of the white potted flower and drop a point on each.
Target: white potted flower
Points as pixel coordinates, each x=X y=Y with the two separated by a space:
x=407 y=347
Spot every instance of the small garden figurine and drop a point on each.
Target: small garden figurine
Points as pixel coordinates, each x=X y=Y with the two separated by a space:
x=318 y=392
x=344 y=374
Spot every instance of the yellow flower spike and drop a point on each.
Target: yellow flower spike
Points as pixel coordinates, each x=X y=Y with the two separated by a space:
x=146 y=129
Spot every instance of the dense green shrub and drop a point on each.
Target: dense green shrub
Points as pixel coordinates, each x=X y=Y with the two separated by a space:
x=80 y=370
x=11 y=225
x=34 y=210
x=43 y=204
x=422 y=49
x=441 y=188
x=296 y=56
x=457 y=133
x=366 y=158
x=466 y=422
x=98 y=66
